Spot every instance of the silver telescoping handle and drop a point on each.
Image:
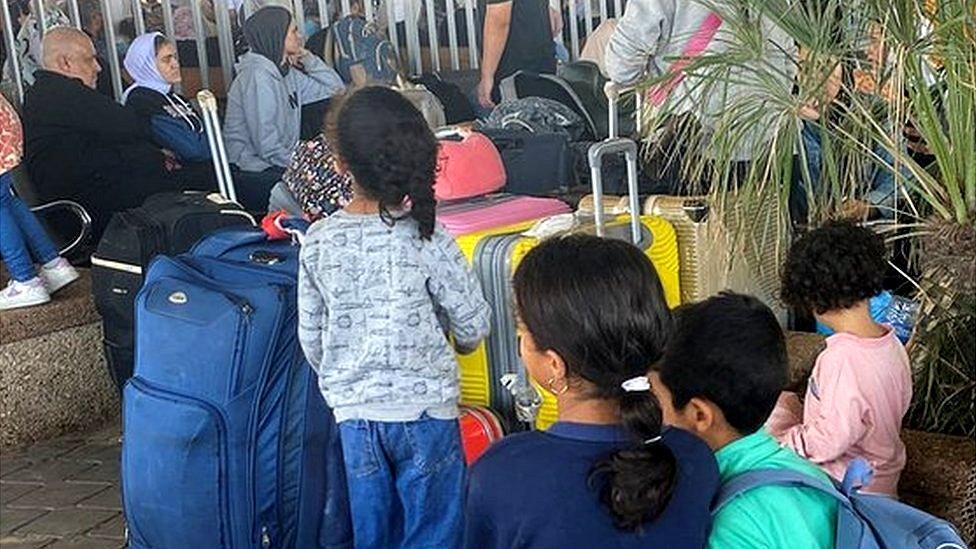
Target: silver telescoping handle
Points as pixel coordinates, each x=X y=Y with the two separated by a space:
x=215 y=138
x=613 y=92
x=615 y=145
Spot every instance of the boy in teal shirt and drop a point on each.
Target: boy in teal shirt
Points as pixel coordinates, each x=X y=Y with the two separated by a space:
x=719 y=378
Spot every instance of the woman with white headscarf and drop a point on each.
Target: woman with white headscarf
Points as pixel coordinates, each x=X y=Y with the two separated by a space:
x=154 y=67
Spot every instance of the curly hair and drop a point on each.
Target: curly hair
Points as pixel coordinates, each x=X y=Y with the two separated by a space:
x=390 y=151
x=834 y=267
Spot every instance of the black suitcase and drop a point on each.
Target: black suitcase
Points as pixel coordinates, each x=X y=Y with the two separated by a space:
x=167 y=223
x=535 y=163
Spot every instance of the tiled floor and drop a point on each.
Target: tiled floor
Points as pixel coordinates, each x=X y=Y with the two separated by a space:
x=63 y=493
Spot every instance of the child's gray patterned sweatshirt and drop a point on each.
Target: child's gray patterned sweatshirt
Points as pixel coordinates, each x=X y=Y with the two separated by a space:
x=369 y=297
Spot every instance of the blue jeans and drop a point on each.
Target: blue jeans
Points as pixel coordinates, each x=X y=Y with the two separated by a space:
x=21 y=235
x=881 y=178
x=406 y=482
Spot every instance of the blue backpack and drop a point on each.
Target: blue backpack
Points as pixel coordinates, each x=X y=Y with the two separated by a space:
x=864 y=521
x=227 y=441
x=353 y=41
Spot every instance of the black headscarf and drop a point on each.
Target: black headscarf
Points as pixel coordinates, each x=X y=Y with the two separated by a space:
x=265 y=33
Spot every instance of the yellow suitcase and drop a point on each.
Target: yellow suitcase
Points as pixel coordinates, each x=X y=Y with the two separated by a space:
x=495 y=254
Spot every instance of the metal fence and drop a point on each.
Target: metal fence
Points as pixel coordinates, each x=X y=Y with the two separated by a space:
x=428 y=35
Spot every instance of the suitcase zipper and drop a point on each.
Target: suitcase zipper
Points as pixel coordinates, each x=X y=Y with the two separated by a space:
x=256 y=412
x=299 y=354
x=284 y=415
x=243 y=331
x=204 y=280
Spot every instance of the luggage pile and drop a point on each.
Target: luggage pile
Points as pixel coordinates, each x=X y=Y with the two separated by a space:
x=250 y=453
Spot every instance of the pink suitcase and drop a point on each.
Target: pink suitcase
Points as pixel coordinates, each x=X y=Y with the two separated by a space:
x=498 y=210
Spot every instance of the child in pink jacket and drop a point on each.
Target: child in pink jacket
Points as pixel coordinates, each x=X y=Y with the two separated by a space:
x=861 y=385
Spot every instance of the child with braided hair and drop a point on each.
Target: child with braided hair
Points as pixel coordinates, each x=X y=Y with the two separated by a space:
x=376 y=278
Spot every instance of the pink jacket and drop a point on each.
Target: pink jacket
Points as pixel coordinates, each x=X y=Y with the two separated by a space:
x=857 y=396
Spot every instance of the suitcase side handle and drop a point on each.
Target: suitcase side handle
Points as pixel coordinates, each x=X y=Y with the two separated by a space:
x=597 y=151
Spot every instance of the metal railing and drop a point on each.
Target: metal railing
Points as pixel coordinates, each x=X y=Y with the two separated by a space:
x=429 y=27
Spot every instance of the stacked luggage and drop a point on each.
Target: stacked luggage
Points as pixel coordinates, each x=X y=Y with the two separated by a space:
x=168 y=223
x=227 y=439
x=496 y=252
x=688 y=238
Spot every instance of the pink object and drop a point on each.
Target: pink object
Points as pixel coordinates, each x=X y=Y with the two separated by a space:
x=469 y=216
x=857 y=396
x=695 y=46
x=467 y=168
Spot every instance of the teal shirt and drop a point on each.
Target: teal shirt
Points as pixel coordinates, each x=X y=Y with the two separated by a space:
x=771 y=517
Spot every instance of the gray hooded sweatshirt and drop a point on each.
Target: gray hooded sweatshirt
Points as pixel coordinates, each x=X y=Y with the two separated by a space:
x=652 y=34
x=264 y=105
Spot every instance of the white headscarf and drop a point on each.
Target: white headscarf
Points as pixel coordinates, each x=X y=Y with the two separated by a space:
x=140 y=63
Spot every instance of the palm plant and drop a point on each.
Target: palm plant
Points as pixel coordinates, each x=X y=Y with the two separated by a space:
x=889 y=86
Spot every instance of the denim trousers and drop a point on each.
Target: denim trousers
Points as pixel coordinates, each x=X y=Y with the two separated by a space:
x=22 y=238
x=406 y=482
x=880 y=176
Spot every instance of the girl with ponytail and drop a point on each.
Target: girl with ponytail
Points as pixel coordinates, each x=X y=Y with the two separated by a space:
x=374 y=279
x=592 y=320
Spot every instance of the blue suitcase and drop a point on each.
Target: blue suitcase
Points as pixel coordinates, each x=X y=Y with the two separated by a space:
x=227 y=440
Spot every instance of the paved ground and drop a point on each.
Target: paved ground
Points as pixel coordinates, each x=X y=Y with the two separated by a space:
x=63 y=493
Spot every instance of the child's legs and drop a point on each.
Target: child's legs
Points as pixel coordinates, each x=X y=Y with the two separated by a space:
x=13 y=248
x=37 y=239
x=430 y=474
x=373 y=504
x=807 y=170
x=813 y=153
x=882 y=178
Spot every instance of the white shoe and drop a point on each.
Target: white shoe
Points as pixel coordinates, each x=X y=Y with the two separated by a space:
x=23 y=294
x=59 y=274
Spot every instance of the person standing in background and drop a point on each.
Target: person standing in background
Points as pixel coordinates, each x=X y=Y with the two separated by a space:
x=517 y=35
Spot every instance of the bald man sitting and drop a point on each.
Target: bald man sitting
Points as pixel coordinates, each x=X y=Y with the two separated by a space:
x=82 y=145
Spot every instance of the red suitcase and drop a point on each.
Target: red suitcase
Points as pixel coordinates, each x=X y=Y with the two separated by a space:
x=480 y=427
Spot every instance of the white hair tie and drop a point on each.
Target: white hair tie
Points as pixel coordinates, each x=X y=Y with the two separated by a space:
x=653 y=440
x=636 y=384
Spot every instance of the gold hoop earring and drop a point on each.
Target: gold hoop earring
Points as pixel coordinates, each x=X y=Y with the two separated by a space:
x=553 y=390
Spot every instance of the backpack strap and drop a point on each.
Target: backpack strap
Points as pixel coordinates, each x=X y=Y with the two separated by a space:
x=695 y=46
x=744 y=482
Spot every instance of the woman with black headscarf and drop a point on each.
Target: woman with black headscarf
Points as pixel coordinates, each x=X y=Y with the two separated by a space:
x=264 y=106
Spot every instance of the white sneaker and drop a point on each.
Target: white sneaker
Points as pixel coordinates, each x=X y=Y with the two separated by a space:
x=57 y=274
x=23 y=294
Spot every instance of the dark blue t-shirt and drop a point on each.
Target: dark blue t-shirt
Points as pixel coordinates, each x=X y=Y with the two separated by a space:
x=532 y=490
